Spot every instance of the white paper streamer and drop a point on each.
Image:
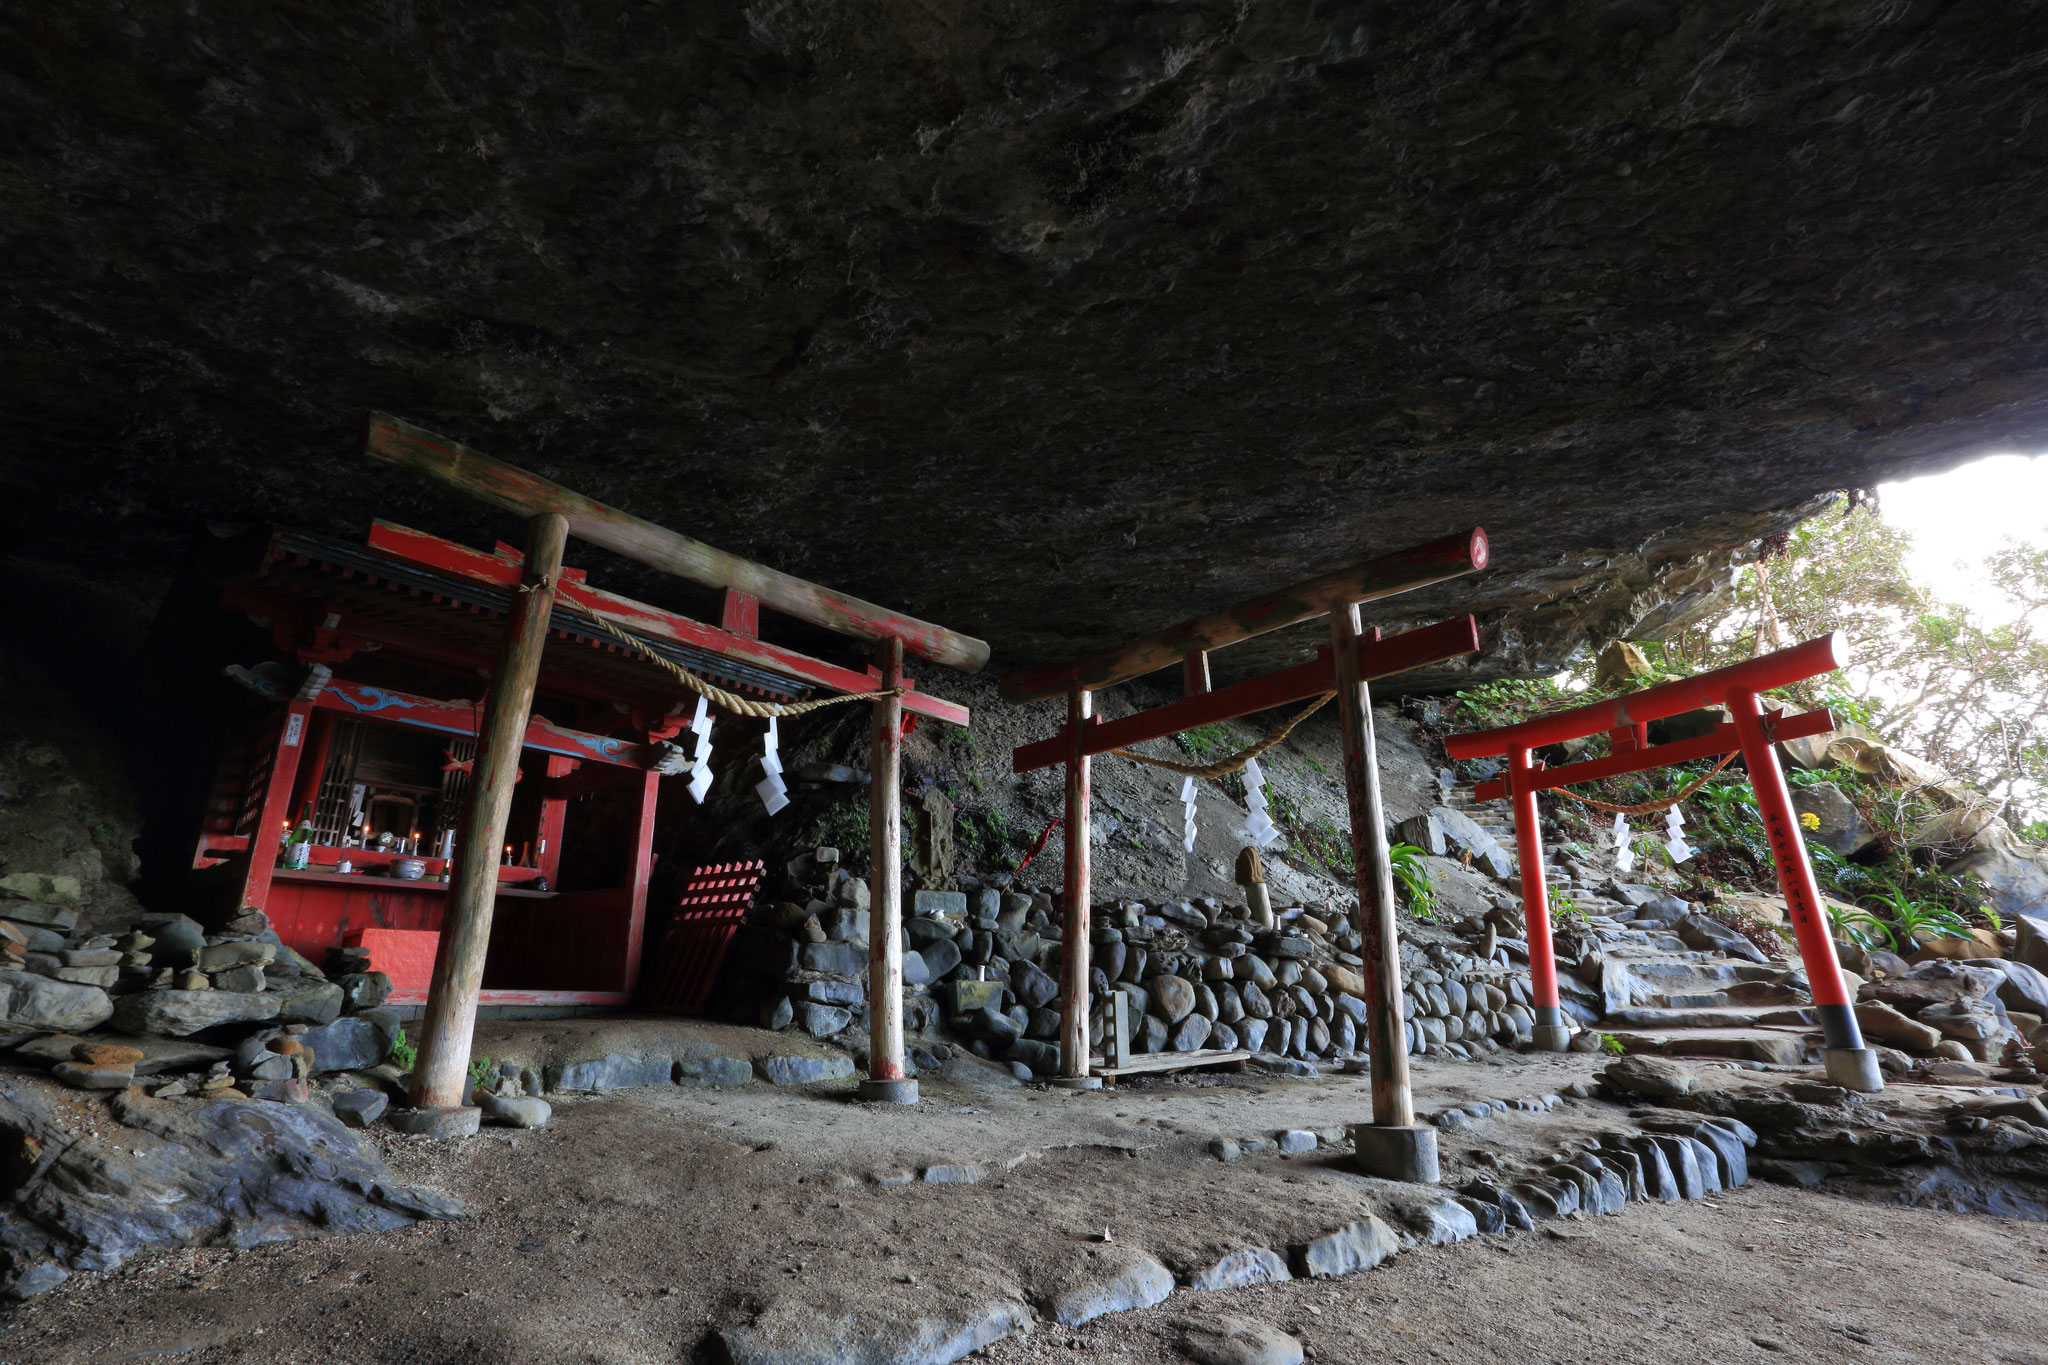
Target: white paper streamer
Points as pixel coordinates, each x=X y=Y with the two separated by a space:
x=1624 y=856
x=1187 y=801
x=773 y=793
x=700 y=772
x=1674 y=837
x=1260 y=826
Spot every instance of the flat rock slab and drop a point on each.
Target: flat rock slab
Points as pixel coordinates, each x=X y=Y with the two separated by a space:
x=707 y=1071
x=1108 y=1279
x=1225 y=1340
x=32 y=1000
x=440 y=1124
x=792 y=1333
x=1352 y=1248
x=177 y=1013
x=610 y=1072
x=786 y=1070
x=180 y=1173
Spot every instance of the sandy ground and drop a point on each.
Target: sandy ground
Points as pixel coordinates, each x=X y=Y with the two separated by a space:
x=637 y=1221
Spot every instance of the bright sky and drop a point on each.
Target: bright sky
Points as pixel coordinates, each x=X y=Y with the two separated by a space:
x=1954 y=518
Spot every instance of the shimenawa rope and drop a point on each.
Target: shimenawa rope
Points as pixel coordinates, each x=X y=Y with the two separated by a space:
x=1223 y=767
x=731 y=701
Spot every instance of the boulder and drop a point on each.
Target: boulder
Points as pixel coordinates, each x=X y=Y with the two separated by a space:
x=2032 y=949
x=940 y=956
x=804 y=1070
x=354 y=1043
x=1222 y=1339
x=2024 y=988
x=1884 y=1024
x=822 y=1021
x=1706 y=935
x=1108 y=1279
x=1354 y=1247
x=1032 y=985
x=1651 y=1076
x=178 y=1013
x=32 y=1000
x=1841 y=827
x=180 y=1173
x=1173 y=997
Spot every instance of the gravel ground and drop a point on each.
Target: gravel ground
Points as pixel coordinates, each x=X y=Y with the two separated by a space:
x=638 y=1221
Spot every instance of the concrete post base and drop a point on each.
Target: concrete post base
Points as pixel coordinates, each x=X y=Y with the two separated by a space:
x=1550 y=1038
x=1396 y=1153
x=1077 y=1082
x=1853 y=1068
x=889 y=1092
x=436 y=1123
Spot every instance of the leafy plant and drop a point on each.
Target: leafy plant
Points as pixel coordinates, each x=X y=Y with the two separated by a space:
x=1906 y=921
x=1564 y=907
x=1611 y=1045
x=1205 y=740
x=403 y=1053
x=1414 y=880
x=481 y=1070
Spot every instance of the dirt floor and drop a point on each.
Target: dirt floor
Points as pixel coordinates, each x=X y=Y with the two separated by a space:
x=637 y=1222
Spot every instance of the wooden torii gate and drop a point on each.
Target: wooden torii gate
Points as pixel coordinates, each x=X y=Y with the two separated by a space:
x=552 y=514
x=1750 y=731
x=1393 y=1145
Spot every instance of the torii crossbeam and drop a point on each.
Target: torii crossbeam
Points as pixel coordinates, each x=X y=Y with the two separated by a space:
x=1393 y=1145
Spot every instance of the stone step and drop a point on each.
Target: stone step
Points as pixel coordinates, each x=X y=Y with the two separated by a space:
x=1779 y=1046
x=1716 y=1016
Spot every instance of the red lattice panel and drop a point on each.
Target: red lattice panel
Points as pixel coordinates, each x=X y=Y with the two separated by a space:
x=713 y=904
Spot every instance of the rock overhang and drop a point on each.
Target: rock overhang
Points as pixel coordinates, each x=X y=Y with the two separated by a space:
x=1051 y=326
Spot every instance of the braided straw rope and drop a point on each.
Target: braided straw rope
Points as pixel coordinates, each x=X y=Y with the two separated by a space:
x=711 y=692
x=1649 y=807
x=1223 y=767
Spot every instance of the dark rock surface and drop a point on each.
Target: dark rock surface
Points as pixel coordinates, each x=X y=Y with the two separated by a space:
x=155 y=1173
x=1112 y=290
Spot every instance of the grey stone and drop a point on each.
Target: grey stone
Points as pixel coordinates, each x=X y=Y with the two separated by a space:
x=612 y=1071
x=940 y=958
x=1256 y=1003
x=364 y=991
x=1242 y=1269
x=1252 y=1034
x=929 y=904
x=216 y=957
x=101 y=977
x=844 y=924
x=1223 y=1149
x=32 y=1000
x=822 y=1021
x=787 y=1070
x=177 y=1013
x=1839 y=825
x=194 y=1173
x=952 y=1173
x=713 y=1071
x=354 y=1043
x=1042 y=1058
x=1708 y=1165
x=832 y=992
x=1221 y=1339
x=993 y=1026
x=1683 y=1162
x=1658 y=1177
x=61 y=918
x=308 y=1002
x=1190 y=1033
x=833 y=959
x=1354 y=1247
x=1110 y=1279
x=915 y=972
x=1296 y=1140
x=1651 y=1076
x=519 y=1111
x=1729 y=1154
x=777 y=1013
x=85 y=1076
x=1441 y=1222
x=2024 y=988
x=1546 y=1198
x=360 y=1108
x=792 y=1331
x=442 y=1125
x=1488 y=1217
x=246 y=979
x=175 y=935
x=1258 y=971
x=1033 y=986
x=1708 y=935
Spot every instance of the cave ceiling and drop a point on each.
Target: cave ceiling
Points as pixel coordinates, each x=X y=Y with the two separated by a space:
x=1049 y=322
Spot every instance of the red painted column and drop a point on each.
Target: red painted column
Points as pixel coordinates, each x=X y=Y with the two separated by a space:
x=1075 y=957
x=267 y=838
x=1849 y=1063
x=1551 y=1030
x=643 y=874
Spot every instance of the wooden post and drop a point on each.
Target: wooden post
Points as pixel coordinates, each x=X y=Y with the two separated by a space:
x=266 y=839
x=450 y=1021
x=886 y=1080
x=1074 y=954
x=1392 y=1145
x=1551 y=1033
x=1194 y=674
x=643 y=874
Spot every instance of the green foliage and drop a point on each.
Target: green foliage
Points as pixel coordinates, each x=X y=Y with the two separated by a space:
x=1565 y=908
x=1906 y=921
x=844 y=826
x=1965 y=692
x=1205 y=741
x=481 y=1071
x=403 y=1053
x=1611 y=1045
x=990 y=833
x=1413 y=879
x=1504 y=702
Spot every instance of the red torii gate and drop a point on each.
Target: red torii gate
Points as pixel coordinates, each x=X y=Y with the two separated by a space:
x=1393 y=1145
x=1754 y=732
